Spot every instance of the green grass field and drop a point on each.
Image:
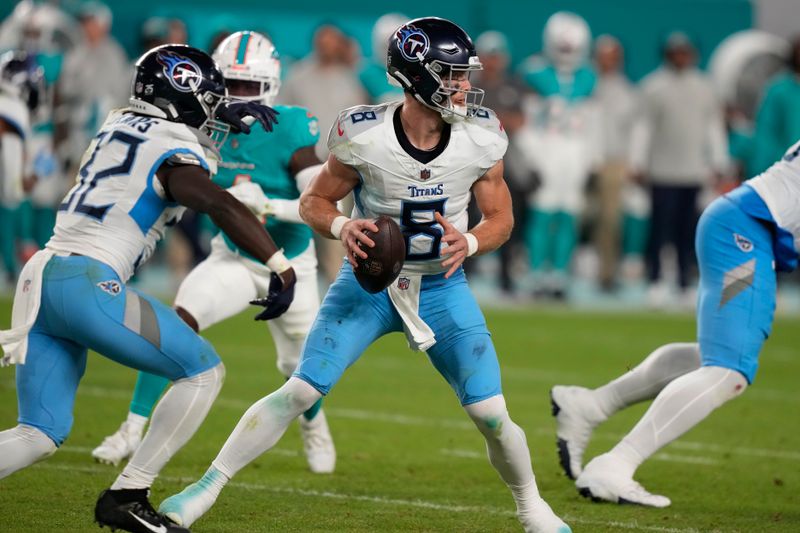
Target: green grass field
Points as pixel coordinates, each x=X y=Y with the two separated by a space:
x=409 y=459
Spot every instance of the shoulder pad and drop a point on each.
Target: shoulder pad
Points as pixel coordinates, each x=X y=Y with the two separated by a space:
x=349 y=125
x=485 y=120
x=186 y=158
x=486 y=131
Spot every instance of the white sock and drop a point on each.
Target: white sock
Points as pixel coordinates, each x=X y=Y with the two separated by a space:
x=649 y=377
x=263 y=424
x=22 y=446
x=507 y=448
x=136 y=422
x=175 y=419
x=679 y=407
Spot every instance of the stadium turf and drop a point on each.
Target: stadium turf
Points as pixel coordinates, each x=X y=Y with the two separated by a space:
x=409 y=459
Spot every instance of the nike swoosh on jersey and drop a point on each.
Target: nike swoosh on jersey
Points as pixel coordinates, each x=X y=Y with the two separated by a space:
x=151 y=527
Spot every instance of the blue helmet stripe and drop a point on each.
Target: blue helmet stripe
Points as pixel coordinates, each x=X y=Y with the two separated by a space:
x=242 y=51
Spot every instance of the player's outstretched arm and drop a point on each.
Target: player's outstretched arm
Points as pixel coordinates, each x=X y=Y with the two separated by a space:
x=494 y=202
x=189 y=186
x=318 y=208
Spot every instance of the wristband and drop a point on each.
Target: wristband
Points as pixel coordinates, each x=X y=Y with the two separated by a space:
x=472 y=244
x=337 y=225
x=278 y=262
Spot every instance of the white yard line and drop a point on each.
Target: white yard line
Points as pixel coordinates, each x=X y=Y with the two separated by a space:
x=668 y=457
x=382 y=500
x=87 y=450
x=456 y=423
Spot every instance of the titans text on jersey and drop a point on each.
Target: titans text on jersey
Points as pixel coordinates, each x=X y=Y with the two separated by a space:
x=395 y=184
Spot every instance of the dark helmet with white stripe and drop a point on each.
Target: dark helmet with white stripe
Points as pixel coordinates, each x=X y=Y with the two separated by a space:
x=179 y=83
x=429 y=57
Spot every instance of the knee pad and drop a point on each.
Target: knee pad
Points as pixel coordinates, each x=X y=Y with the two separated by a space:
x=490 y=415
x=727 y=383
x=299 y=395
x=212 y=378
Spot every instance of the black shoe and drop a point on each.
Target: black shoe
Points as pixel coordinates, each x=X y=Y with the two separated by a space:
x=130 y=510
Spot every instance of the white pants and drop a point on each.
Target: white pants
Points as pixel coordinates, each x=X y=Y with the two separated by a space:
x=223 y=285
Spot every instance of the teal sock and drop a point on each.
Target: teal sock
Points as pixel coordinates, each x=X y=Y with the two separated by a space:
x=634 y=235
x=8 y=240
x=537 y=237
x=566 y=235
x=146 y=394
x=313 y=410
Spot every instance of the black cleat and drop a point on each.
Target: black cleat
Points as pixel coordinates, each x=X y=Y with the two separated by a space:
x=130 y=510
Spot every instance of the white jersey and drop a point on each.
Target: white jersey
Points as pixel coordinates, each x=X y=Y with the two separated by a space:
x=395 y=184
x=118 y=210
x=779 y=187
x=13 y=112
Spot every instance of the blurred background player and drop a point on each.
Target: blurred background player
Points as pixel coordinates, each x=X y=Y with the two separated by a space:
x=616 y=103
x=21 y=87
x=266 y=172
x=47 y=34
x=678 y=146
x=778 y=119
x=146 y=162
x=743 y=238
x=95 y=79
x=506 y=95
x=563 y=147
x=325 y=83
x=373 y=74
x=437 y=138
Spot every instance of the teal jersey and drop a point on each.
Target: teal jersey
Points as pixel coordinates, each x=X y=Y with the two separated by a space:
x=263 y=158
x=546 y=82
x=778 y=121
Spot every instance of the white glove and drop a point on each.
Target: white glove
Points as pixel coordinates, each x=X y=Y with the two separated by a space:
x=251 y=196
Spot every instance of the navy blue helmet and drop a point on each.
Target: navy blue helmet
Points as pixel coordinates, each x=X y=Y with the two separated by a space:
x=23 y=77
x=430 y=58
x=179 y=83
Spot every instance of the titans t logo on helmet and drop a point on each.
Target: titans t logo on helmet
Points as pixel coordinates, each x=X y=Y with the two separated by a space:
x=412 y=42
x=183 y=73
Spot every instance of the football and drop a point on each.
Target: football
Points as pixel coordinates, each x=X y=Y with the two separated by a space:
x=384 y=261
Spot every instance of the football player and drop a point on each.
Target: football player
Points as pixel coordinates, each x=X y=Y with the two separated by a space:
x=417 y=160
x=267 y=172
x=147 y=162
x=21 y=84
x=742 y=239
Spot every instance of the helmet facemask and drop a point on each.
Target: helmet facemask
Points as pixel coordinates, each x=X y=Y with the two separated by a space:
x=454 y=103
x=216 y=130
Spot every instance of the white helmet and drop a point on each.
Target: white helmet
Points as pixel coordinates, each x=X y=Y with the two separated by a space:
x=382 y=31
x=566 y=40
x=250 y=57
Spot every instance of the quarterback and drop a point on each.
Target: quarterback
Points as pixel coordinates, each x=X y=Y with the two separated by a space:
x=416 y=160
x=266 y=172
x=146 y=164
x=742 y=239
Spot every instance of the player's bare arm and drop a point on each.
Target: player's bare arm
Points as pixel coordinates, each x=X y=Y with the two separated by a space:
x=318 y=208
x=494 y=202
x=189 y=185
x=302 y=159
